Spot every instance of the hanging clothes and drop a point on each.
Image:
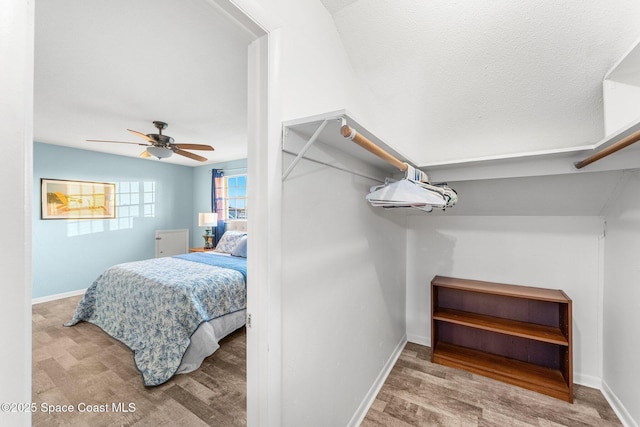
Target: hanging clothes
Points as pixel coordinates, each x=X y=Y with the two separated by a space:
x=412 y=193
x=415 y=174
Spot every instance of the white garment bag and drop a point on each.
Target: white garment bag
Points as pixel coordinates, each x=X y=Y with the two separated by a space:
x=408 y=193
x=411 y=194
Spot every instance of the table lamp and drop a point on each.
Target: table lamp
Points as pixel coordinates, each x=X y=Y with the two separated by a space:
x=207 y=219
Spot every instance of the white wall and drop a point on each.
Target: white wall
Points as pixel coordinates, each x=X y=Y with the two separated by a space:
x=316 y=75
x=621 y=92
x=549 y=252
x=361 y=312
x=343 y=293
x=622 y=103
x=16 y=110
x=622 y=300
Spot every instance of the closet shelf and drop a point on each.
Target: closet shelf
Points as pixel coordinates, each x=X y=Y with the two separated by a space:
x=506 y=290
x=330 y=135
x=511 y=371
x=503 y=326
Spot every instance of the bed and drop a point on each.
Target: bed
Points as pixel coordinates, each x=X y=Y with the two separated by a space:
x=172 y=311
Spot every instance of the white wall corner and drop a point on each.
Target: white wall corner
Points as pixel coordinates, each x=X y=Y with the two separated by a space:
x=587 y=380
x=370 y=397
x=621 y=92
x=600 y=290
x=16 y=109
x=625 y=417
x=419 y=339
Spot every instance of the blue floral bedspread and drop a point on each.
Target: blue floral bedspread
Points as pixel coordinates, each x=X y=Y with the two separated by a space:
x=154 y=306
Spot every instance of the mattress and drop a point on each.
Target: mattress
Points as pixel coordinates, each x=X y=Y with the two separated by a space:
x=205 y=340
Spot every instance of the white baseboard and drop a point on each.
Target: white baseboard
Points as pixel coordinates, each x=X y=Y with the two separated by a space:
x=419 y=339
x=625 y=417
x=587 y=380
x=48 y=298
x=370 y=397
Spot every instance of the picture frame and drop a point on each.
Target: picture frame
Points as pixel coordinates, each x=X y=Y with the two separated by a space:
x=67 y=199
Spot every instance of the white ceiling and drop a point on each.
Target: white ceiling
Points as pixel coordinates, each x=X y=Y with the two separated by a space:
x=104 y=66
x=469 y=79
x=461 y=79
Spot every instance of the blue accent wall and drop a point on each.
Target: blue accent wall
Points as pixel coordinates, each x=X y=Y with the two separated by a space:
x=69 y=255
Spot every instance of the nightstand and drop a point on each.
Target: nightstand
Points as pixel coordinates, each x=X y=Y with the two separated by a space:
x=201 y=250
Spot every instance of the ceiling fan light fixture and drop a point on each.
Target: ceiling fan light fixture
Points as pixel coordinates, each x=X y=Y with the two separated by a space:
x=160 y=152
x=162 y=146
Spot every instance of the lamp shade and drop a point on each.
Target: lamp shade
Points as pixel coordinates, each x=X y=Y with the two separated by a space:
x=160 y=152
x=207 y=219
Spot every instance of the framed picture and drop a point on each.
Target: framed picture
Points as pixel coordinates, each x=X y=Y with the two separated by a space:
x=63 y=199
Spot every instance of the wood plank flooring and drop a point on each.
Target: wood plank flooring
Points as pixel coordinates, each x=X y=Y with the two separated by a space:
x=82 y=364
x=420 y=393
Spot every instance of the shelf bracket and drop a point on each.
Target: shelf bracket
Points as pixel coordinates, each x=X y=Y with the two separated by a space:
x=308 y=145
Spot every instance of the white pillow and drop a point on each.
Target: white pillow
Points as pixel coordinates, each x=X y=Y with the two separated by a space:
x=229 y=241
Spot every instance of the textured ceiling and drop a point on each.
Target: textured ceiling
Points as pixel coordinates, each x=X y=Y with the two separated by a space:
x=104 y=66
x=334 y=6
x=457 y=80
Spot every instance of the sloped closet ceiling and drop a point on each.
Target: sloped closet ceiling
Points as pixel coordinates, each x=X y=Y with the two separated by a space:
x=457 y=80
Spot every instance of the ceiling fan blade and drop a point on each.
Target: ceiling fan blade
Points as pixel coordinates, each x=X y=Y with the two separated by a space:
x=119 y=142
x=194 y=147
x=189 y=155
x=145 y=154
x=141 y=135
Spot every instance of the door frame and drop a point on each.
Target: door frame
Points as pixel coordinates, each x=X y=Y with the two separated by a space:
x=264 y=157
x=264 y=166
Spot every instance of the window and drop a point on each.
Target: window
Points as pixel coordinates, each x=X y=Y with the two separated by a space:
x=234 y=193
x=236 y=197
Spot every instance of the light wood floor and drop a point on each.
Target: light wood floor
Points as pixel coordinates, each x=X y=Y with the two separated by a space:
x=420 y=393
x=82 y=364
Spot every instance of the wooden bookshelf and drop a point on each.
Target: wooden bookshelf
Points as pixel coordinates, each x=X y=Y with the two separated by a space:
x=516 y=334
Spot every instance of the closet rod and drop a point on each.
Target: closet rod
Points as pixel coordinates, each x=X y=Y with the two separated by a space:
x=350 y=133
x=625 y=142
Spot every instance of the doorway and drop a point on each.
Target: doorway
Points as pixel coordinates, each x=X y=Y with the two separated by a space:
x=262 y=365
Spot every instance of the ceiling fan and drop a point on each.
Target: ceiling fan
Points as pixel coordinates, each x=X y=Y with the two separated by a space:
x=162 y=146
